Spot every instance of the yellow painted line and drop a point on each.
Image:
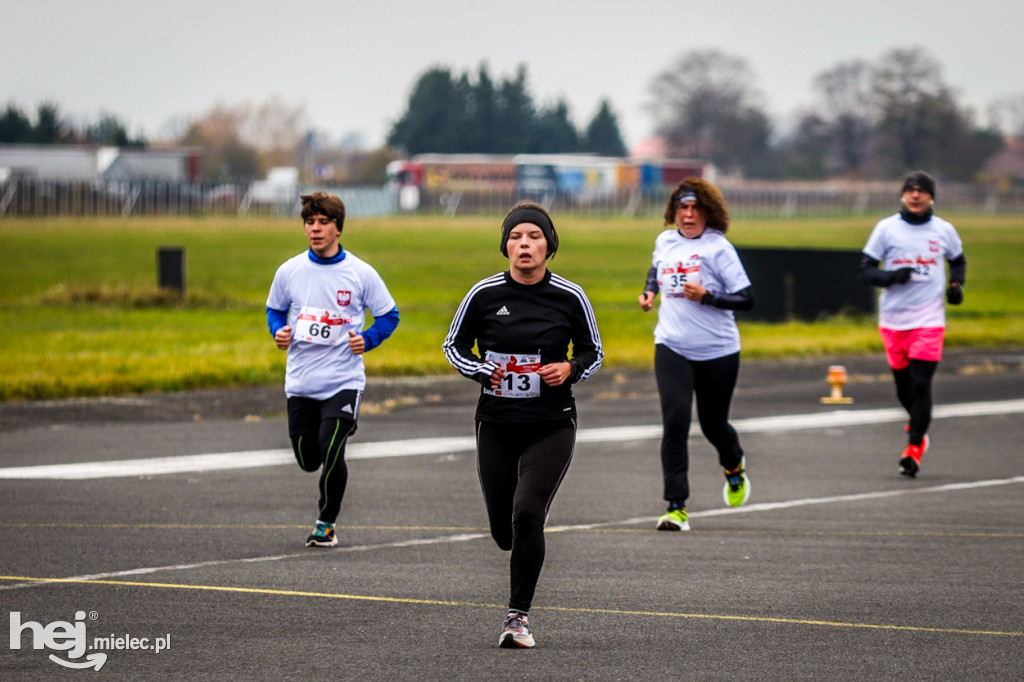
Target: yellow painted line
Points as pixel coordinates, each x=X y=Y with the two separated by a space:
x=787 y=621
x=563 y=609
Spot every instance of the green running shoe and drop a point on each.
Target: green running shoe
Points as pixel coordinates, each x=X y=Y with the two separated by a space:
x=675 y=519
x=737 y=485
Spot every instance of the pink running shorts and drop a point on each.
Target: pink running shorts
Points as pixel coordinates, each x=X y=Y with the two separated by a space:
x=904 y=345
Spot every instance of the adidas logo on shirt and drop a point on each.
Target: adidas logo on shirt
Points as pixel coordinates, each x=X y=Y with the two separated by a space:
x=347 y=408
x=503 y=311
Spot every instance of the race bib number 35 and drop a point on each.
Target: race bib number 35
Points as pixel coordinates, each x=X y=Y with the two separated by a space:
x=317 y=325
x=521 y=378
x=673 y=277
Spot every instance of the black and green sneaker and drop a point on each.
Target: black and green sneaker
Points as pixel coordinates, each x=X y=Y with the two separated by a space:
x=737 y=485
x=674 y=519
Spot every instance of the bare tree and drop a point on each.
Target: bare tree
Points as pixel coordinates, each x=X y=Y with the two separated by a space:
x=276 y=129
x=1007 y=114
x=846 y=91
x=914 y=104
x=705 y=105
x=219 y=133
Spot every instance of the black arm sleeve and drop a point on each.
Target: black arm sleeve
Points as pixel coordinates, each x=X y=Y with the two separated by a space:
x=652 y=281
x=958 y=269
x=741 y=300
x=870 y=274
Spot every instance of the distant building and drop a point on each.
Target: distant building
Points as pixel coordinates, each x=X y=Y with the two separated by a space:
x=74 y=163
x=1006 y=165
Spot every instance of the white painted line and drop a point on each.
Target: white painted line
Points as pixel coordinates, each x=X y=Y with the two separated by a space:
x=415 y=447
x=807 y=501
x=440 y=540
x=465 y=537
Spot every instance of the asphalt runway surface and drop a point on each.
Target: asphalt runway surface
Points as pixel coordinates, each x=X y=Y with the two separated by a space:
x=837 y=567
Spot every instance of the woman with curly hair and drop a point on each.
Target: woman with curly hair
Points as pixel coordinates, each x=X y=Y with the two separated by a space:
x=697 y=343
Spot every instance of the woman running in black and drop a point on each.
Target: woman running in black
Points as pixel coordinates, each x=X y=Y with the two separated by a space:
x=522 y=323
x=697 y=343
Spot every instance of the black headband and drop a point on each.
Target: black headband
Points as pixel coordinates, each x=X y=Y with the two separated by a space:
x=529 y=215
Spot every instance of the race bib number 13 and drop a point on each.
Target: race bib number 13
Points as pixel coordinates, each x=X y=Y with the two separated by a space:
x=317 y=325
x=521 y=378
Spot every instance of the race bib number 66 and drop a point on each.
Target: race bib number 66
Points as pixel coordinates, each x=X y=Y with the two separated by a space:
x=521 y=378
x=317 y=325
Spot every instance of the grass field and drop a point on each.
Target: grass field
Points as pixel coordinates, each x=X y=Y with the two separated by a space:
x=81 y=314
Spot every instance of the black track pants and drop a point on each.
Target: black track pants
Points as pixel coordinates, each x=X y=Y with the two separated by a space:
x=712 y=382
x=521 y=465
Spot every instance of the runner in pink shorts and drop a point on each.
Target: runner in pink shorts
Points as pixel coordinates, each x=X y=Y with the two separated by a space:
x=912 y=308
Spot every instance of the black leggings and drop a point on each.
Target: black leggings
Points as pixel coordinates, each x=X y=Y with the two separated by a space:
x=914 y=391
x=521 y=466
x=319 y=430
x=679 y=380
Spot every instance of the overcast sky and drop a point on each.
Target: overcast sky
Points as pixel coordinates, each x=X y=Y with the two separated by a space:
x=352 y=65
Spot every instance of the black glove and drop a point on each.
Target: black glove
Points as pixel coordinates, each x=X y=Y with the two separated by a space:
x=955 y=293
x=902 y=275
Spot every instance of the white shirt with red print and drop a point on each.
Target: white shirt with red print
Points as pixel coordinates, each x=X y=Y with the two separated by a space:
x=895 y=244
x=695 y=331
x=324 y=302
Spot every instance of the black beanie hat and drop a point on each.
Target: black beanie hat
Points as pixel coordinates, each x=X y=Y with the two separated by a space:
x=920 y=179
x=518 y=216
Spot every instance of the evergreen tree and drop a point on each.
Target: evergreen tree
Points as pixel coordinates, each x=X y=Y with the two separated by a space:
x=435 y=116
x=483 y=113
x=462 y=115
x=14 y=126
x=108 y=131
x=516 y=116
x=49 y=127
x=556 y=133
x=602 y=136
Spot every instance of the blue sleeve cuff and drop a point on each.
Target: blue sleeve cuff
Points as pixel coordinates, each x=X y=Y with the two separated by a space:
x=380 y=330
x=276 y=319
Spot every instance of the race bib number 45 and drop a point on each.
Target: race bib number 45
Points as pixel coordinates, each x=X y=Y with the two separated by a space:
x=521 y=378
x=317 y=325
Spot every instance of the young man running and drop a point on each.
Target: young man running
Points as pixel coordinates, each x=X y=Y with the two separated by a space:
x=315 y=310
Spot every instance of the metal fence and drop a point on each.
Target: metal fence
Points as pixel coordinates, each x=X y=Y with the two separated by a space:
x=30 y=197
x=746 y=199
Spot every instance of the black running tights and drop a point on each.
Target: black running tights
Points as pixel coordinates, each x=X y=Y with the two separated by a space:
x=318 y=440
x=914 y=391
x=712 y=381
x=521 y=465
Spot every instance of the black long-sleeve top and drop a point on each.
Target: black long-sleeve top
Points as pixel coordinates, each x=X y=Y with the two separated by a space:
x=502 y=315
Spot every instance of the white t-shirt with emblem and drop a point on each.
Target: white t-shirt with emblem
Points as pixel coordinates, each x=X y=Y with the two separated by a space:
x=896 y=244
x=324 y=302
x=695 y=331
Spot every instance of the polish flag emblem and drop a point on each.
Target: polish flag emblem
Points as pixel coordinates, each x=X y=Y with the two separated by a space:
x=344 y=297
